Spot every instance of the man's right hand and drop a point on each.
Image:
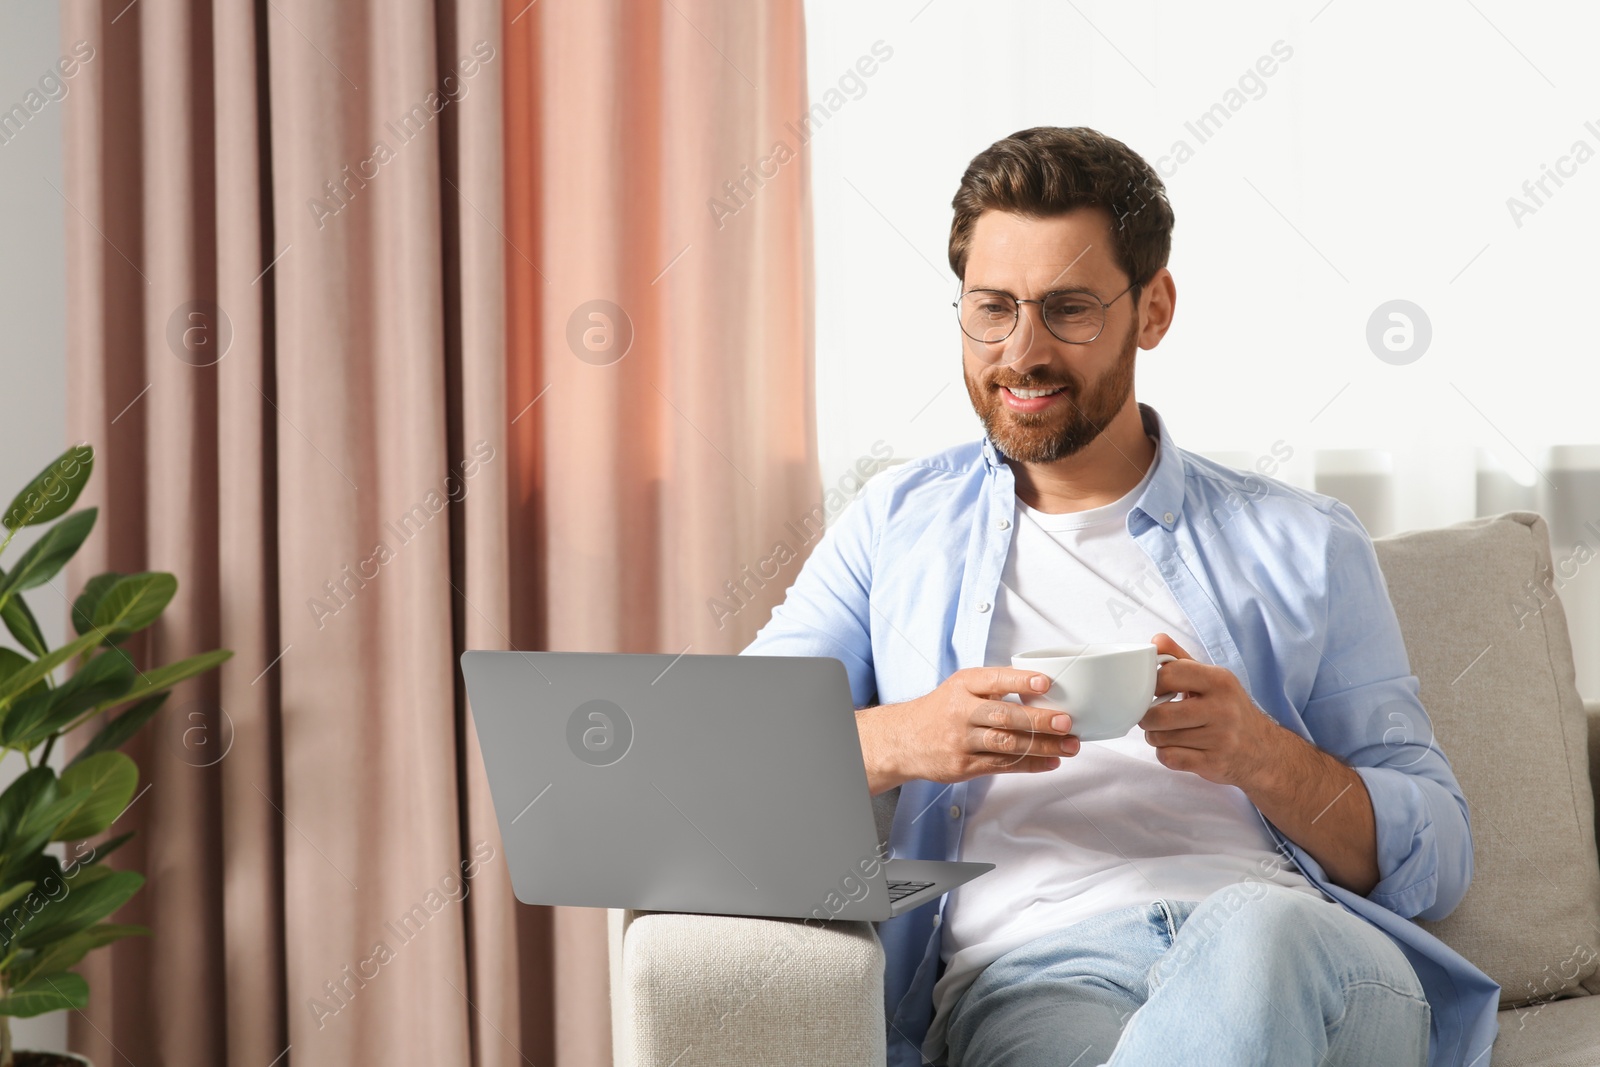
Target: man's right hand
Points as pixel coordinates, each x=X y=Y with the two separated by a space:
x=963 y=730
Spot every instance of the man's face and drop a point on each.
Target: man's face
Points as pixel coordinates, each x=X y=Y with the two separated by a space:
x=1028 y=258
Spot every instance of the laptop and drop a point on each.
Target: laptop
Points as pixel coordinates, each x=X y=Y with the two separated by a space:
x=728 y=785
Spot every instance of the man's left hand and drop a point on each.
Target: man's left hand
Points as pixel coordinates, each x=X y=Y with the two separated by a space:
x=1214 y=730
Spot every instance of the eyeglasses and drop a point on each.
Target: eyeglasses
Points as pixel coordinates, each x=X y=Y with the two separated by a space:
x=1075 y=316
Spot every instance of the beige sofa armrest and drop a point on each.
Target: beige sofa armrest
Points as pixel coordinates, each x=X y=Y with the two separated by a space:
x=1593 y=708
x=731 y=991
x=617 y=922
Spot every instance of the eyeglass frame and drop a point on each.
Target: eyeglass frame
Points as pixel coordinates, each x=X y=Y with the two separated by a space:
x=1105 y=306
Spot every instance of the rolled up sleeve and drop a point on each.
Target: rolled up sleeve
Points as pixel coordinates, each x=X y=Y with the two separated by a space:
x=1365 y=710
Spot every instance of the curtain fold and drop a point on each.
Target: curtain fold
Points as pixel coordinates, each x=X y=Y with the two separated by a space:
x=332 y=271
x=659 y=377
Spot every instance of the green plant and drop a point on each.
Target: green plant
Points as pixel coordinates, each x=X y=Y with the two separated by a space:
x=51 y=915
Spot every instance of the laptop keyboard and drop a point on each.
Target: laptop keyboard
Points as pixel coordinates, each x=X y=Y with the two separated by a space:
x=901 y=890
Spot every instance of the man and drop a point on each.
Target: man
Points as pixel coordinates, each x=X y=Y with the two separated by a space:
x=1232 y=882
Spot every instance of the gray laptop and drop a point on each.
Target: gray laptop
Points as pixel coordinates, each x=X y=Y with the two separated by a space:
x=729 y=785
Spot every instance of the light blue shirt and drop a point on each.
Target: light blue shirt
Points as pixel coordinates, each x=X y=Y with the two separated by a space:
x=1284 y=590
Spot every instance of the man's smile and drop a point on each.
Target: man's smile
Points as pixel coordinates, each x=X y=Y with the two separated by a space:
x=1029 y=401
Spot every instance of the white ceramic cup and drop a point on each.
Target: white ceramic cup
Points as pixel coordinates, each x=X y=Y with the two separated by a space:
x=1106 y=688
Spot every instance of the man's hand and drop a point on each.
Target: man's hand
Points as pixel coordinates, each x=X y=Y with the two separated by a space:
x=963 y=730
x=1215 y=730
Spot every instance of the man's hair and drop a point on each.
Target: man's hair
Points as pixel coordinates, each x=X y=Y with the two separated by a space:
x=1050 y=170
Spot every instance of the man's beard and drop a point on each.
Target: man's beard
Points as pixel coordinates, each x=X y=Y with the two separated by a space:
x=1068 y=425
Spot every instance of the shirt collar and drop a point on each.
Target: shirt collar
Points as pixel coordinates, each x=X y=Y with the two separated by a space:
x=1162 y=499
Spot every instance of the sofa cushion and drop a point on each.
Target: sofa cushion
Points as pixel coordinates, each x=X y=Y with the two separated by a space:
x=1561 y=1033
x=1487 y=639
x=1593 y=708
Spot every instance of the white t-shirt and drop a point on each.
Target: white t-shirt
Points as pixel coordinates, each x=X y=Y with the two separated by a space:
x=1110 y=827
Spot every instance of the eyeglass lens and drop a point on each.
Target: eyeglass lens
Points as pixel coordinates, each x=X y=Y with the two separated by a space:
x=989 y=316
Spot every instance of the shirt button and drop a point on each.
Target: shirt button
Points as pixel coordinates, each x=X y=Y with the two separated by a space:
x=1004 y=524
x=936 y=919
x=1167 y=517
x=983 y=606
x=955 y=811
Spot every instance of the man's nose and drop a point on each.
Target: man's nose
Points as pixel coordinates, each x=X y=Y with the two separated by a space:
x=1030 y=343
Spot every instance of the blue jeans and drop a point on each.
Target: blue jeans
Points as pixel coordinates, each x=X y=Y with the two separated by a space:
x=1255 y=974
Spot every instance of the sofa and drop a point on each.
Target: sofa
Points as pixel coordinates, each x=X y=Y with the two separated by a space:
x=1483 y=623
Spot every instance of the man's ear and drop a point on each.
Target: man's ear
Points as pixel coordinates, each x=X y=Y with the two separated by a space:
x=1158 y=300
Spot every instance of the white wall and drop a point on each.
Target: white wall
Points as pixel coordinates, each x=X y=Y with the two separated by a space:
x=33 y=377
x=1374 y=164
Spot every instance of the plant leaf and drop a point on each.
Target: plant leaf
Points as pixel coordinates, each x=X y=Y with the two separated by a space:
x=46 y=992
x=118 y=731
x=89 y=599
x=69 y=950
x=25 y=713
x=107 y=847
x=40 y=868
x=53 y=490
x=30 y=811
x=50 y=553
x=20 y=621
x=101 y=785
x=11 y=661
x=135 y=602
x=21 y=795
x=34 y=718
x=15 y=893
x=168 y=676
x=95 y=893
x=33 y=671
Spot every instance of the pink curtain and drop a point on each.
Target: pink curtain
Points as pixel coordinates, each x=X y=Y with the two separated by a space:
x=325 y=268
x=659 y=355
